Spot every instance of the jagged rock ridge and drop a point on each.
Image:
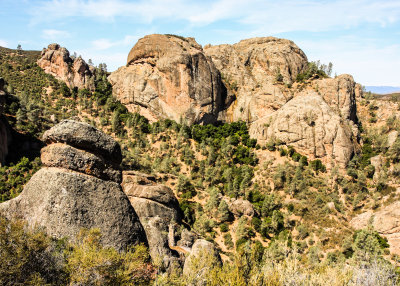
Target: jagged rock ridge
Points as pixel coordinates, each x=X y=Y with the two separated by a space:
x=56 y=60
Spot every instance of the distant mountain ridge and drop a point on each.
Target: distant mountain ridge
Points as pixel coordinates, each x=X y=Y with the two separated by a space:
x=383 y=89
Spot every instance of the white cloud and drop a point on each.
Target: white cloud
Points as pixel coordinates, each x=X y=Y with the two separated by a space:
x=3 y=43
x=270 y=16
x=105 y=44
x=51 y=34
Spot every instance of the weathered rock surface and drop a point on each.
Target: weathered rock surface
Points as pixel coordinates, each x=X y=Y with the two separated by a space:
x=249 y=69
x=55 y=60
x=308 y=124
x=241 y=207
x=385 y=221
x=340 y=94
x=157 y=208
x=377 y=162
x=65 y=156
x=170 y=77
x=84 y=136
x=173 y=77
x=68 y=194
x=392 y=137
x=201 y=250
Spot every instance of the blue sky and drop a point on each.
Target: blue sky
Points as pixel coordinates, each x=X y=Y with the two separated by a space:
x=360 y=37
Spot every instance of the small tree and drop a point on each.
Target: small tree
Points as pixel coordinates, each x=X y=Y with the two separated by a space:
x=223 y=211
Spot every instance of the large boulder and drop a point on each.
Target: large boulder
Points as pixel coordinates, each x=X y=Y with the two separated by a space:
x=158 y=209
x=249 y=69
x=241 y=207
x=84 y=136
x=308 y=124
x=385 y=221
x=65 y=156
x=75 y=72
x=78 y=189
x=168 y=76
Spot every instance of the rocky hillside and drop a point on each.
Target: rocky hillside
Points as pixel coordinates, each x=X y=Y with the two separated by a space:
x=282 y=184
x=266 y=82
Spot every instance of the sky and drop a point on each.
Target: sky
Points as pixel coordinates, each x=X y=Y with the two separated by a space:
x=360 y=37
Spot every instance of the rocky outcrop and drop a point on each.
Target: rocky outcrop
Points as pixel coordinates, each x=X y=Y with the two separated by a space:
x=158 y=209
x=340 y=94
x=78 y=188
x=5 y=136
x=377 y=162
x=241 y=207
x=202 y=253
x=168 y=76
x=308 y=124
x=250 y=69
x=55 y=60
x=385 y=221
x=173 y=77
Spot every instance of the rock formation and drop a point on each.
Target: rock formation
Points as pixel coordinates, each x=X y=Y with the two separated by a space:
x=55 y=60
x=250 y=68
x=158 y=209
x=241 y=207
x=168 y=76
x=385 y=221
x=309 y=125
x=173 y=77
x=202 y=251
x=78 y=187
x=340 y=94
x=4 y=129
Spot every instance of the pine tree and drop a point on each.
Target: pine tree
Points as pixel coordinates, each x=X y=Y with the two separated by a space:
x=223 y=211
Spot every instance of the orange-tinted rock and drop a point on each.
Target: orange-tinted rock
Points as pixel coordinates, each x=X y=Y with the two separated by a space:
x=55 y=60
x=170 y=77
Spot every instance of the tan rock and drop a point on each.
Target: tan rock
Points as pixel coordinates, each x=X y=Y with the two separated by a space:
x=385 y=221
x=340 y=94
x=392 y=136
x=241 y=207
x=309 y=125
x=249 y=70
x=170 y=77
x=200 y=254
x=158 y=210
x=55 y=60
x=377 y=162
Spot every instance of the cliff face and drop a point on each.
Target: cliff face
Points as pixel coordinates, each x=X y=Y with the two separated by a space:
x=250 y=69
x=173 y=77
x=170 y=77
x=55 y=60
